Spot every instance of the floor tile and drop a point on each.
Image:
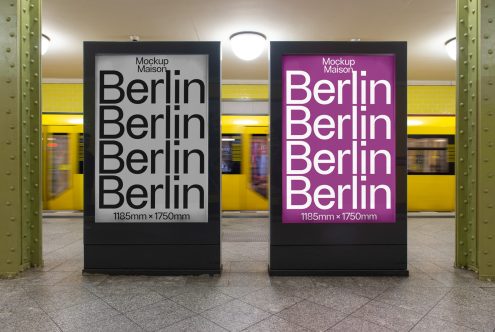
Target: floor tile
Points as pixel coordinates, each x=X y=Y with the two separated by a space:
x=125 y=281
x=76 y=317
x=170 y=291
x=426 y=267
x=271 y=299
x=69 y=265
x=429 y=323
x=354 y=324
x=207 y=280
x=239 y=291
x=248 y=279
x=489 y=290
x=340 y=299
x=201 y=299
x=104 y=288
x=465 y=316
x=53 y=298
x=74 y=300
x=35 y=277
x=194 y=324
x=131 y=299
x=165 y=281
x=118 y=323
x=235 y=315
x=245 y=251
x=249 y=266
x=16 y=305
x=312 y=316
x=472 y=297
x=9 y=284
x=392 y=317
x=459 y=278
x=418 y=299
x=81 y=279
x=302 y=292
x=159 y=315
x=275 y=324
x=15 y=297
x=418 y=279
x=369 y=287
x=293 y=282
x=42 y=323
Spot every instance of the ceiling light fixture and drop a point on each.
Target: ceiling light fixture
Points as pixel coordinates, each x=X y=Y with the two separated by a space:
x=451 y=48
x=247 y=45
x=245 y=122
x=45 y=43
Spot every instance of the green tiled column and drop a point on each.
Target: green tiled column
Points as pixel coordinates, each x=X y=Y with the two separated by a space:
x=20 y=136
x=475 y=160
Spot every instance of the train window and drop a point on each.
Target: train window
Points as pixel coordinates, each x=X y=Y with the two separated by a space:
x=231 y=154
x=80 y=156
x=259 y=164
x=430 y=154
x=58 y=163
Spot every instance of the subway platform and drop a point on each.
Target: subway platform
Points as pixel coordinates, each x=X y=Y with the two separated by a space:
x=435 y=297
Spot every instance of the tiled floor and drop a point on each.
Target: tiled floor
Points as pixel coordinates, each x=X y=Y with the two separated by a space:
x=436 y=297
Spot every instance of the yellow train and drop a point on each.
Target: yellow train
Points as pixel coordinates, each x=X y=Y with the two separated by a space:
x=245 y=166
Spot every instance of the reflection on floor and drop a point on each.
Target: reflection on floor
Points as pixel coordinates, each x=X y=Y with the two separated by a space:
x=436 y=297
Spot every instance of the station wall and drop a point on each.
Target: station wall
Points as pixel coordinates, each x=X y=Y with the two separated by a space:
x=422 y=99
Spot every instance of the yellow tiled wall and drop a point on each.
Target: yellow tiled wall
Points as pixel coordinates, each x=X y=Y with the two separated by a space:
x=68 y=97
x=62 y=97
x=431 y=99
x=245 y=91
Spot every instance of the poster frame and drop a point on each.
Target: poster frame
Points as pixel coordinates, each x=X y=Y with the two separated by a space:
x=337 y=249
x=153 y=248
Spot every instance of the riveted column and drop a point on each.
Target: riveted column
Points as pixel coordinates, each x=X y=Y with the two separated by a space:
x=486 y=139
x=20 y=217
x=475 y=168
x=467 y=104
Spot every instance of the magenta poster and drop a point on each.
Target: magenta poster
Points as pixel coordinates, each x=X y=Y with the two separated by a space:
x=338 y=139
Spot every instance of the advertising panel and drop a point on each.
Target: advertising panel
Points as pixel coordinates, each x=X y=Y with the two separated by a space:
x=151 y=138
x=338 y=138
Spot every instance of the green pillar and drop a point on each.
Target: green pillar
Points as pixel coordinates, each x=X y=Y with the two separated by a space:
x=20 y=136
x=475 y=212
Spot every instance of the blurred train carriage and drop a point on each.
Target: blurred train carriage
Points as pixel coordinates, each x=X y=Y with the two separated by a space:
x=245 y=155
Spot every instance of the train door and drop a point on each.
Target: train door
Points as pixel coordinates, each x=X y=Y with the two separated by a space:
x=232 y=162
x=431 y=163
x=257 y=169
x=62 y=168
x=245 y=162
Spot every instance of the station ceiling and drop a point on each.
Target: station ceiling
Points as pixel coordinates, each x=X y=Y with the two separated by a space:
x=424 y=24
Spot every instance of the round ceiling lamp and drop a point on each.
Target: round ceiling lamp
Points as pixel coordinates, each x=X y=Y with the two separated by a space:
x=45 y=43
x=248 y=45
x=451 y=48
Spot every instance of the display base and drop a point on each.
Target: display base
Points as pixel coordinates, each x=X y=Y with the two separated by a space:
x=339 y=273
x=339 y=260
x=153 y=259
x=152 y=272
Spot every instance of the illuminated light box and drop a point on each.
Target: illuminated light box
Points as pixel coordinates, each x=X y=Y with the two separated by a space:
x=152 y=172
x=338 y=124
x=338 y=129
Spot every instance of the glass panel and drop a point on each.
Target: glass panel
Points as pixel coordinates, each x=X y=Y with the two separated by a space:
x=58 y=163
x=231 y=154
x=80 y=169
x=427 y=155
x=259 y=164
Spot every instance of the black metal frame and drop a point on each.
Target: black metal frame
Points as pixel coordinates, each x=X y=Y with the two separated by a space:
x=153 y=248
x=337 y=249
